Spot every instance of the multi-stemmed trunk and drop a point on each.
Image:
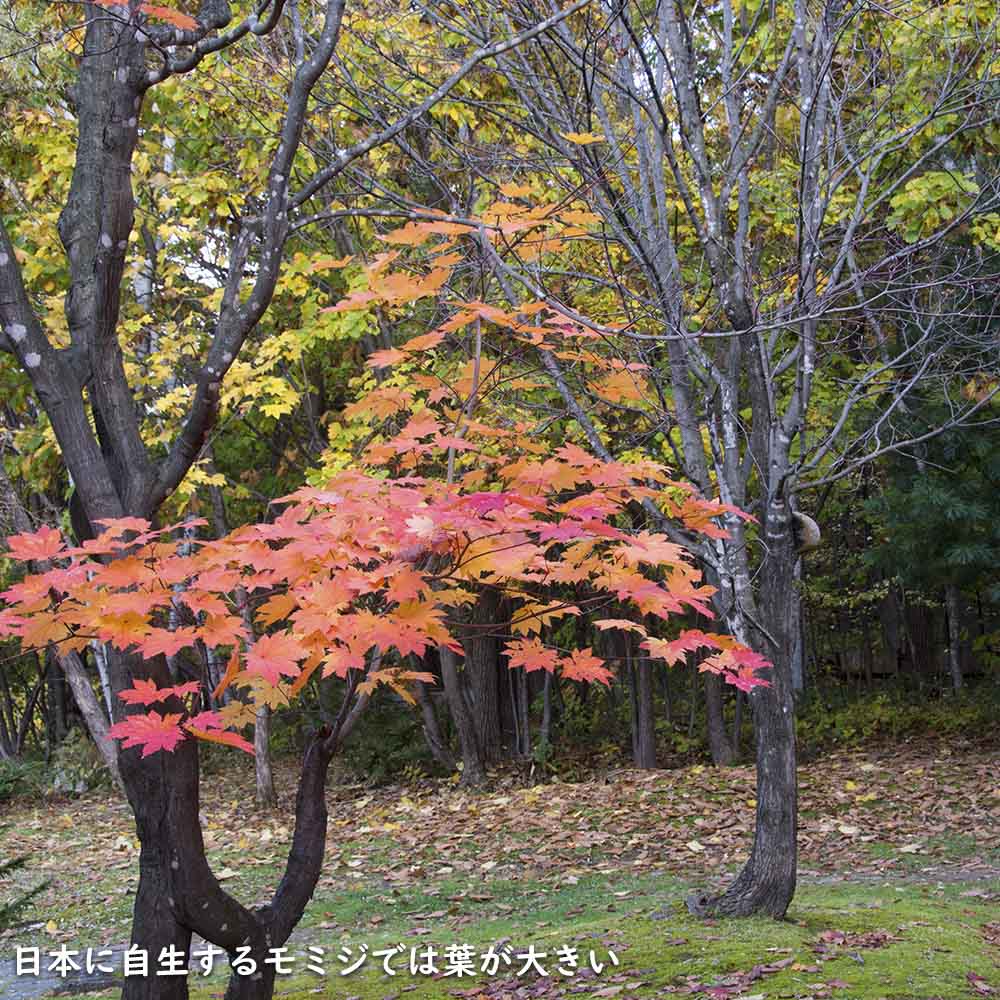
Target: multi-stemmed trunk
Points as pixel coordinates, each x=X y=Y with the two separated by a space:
x=178 y=895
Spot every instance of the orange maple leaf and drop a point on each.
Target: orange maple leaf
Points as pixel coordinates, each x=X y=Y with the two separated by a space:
x=582 y=665
x=275 y=656
x=175 y=17
x=45 y=543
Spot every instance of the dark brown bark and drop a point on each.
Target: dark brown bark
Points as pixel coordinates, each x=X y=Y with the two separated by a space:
x=644 y=726
x=481 y=644
x=473 y=769
x=508 y=711
x=736 y=739
x=524 y=712
x=55 y=701
x=545 y=730
x=6 y=737
x=668 y=698
x=718 y=738
x=178 y=893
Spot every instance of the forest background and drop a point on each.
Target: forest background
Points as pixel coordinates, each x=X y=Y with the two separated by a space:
x=571 y=322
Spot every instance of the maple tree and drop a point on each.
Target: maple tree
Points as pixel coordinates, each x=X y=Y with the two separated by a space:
x=74 y=334
x=367 y=564
x=356 y=578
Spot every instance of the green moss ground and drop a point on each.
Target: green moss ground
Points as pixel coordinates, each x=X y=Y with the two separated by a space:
x=937 y=932
x=900 y=844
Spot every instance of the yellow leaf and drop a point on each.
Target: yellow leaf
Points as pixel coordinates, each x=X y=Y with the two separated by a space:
x=582 y=138
x=512 y=190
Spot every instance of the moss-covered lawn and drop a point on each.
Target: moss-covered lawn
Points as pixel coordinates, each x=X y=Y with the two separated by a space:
x=899 y=897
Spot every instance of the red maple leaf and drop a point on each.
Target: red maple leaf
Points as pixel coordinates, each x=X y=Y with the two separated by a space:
x=151 y=731
x=483 y=503
x=746 y=679
x=746 y=657
x=145 y=692
x=211 y=727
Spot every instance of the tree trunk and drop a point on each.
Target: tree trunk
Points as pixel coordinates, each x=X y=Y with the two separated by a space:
x=266 y=796
x=55 y=700
x=952 y=606
x=545 y=731
x=767 y=882
x=432 y=731
x=473 y=770
x=6 y=738
x=736 y=739
x=482 y=668
x=692 y=701
x=798 y=657
x=24 y=727
x=645 y=732
x=90 y=709
x=178 y=895
x=101 y=662
x=668 y=699
x=524 y=711
x=509 y=730
x=719 y=744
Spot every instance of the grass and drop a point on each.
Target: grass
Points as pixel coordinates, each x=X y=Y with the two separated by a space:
x=934 y=944
x=948 y=848
x=933 y=940
x=900 y=861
